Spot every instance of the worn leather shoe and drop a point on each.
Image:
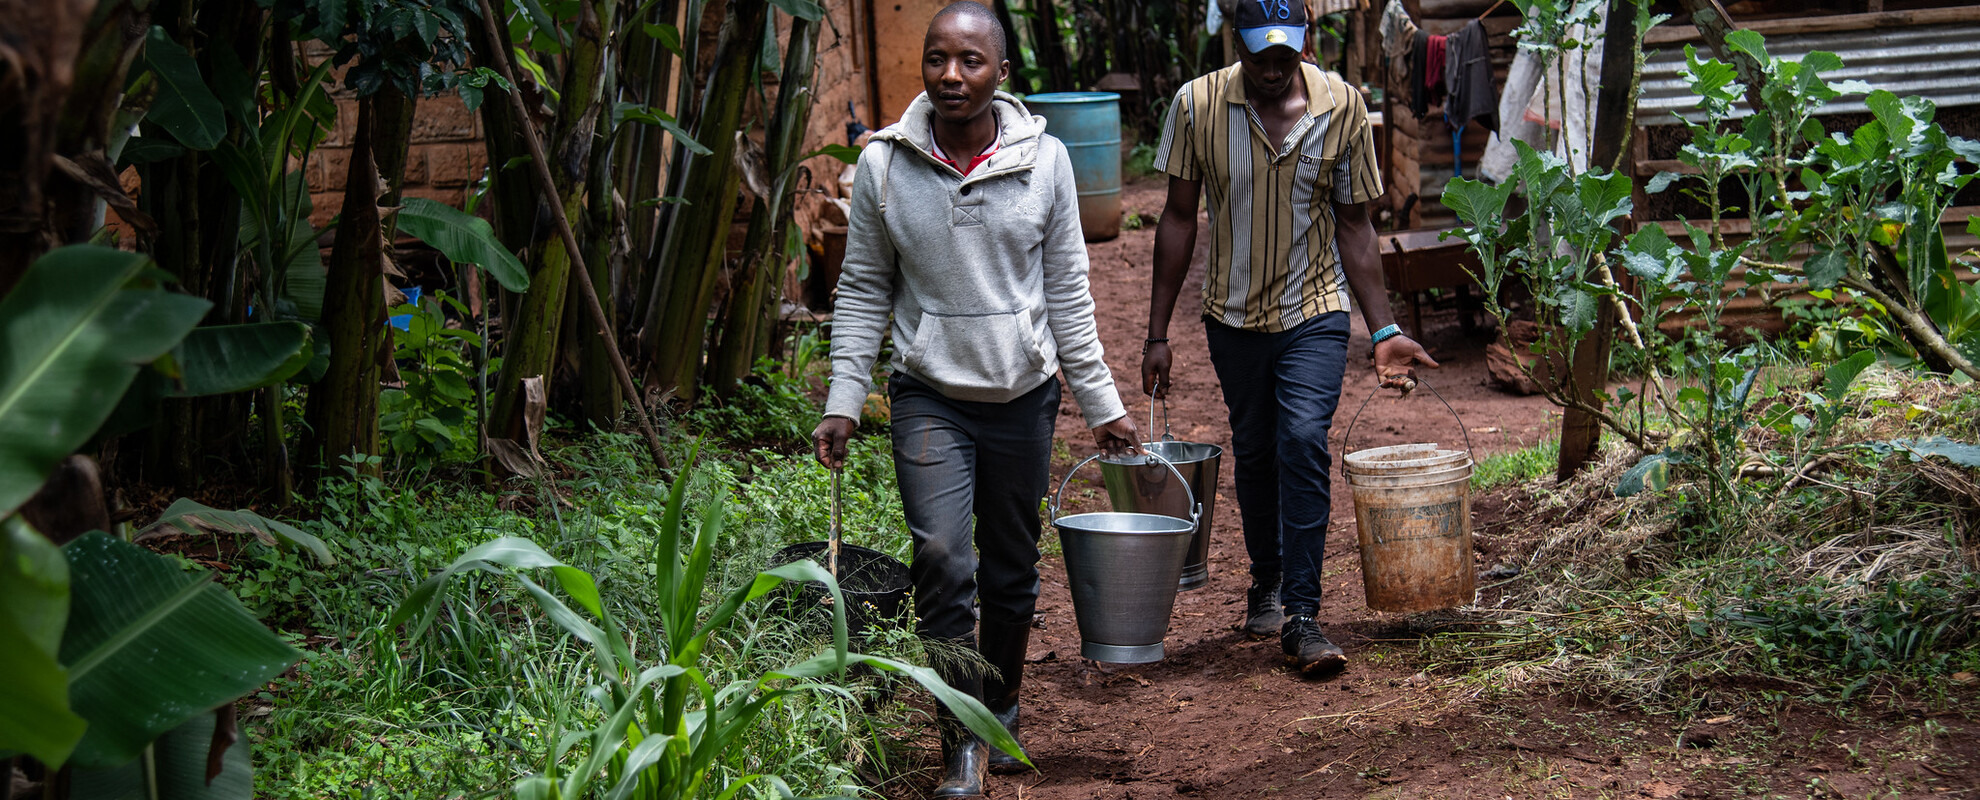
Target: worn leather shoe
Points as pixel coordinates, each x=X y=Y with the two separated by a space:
x=1261 y=608
x=963 y=762
x=1308 y=649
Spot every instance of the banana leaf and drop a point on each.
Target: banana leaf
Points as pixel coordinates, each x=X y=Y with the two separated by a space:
x=223 y=359
x=195 y=518
x=34 y=605
x=149 y=647
x=72 y=336
x=179 y=770
x=464 y=238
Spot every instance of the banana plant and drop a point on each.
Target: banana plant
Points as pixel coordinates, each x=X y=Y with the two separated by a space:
x=109 y=648
x=649 y=743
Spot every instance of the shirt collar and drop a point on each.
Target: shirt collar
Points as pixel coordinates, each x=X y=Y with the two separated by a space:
x=1318 y=99
x=935 y=149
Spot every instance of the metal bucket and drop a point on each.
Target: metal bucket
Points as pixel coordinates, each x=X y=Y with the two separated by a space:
x=1412 y=509
x=1142 y=486
x=1089 y=123
x=1123 y=568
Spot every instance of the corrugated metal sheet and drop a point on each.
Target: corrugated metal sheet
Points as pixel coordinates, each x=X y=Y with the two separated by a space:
x=1938 y=62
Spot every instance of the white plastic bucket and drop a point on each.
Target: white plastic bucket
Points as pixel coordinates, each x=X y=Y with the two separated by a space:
x=1412 y=509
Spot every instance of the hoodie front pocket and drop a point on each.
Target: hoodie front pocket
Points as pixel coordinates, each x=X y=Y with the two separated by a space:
x=975 y=356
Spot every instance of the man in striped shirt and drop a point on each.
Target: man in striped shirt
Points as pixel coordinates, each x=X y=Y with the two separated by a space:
x=1286 y=154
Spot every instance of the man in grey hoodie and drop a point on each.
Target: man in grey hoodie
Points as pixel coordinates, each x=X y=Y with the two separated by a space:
x=965 y=230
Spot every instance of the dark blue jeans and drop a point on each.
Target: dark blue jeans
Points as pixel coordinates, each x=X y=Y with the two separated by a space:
x=1282 y=389
x=971 y=476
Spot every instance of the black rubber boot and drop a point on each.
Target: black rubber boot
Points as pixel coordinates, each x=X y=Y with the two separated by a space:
x=1004 y=646
x=964 y=757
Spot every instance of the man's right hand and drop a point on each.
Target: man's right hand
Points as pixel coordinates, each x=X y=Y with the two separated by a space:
x=1155 y=370
x=828 y=441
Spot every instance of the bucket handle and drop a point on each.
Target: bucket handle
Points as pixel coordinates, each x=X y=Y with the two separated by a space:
x=1347 y=440
x=1195 y=508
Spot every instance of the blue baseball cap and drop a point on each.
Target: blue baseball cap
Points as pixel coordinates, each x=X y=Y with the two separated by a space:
x=1265 y=24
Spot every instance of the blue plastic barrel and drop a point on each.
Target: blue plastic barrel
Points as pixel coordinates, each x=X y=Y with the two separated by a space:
x=1090 y=125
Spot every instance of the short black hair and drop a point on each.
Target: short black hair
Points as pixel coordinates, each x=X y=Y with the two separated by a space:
x=975 y=10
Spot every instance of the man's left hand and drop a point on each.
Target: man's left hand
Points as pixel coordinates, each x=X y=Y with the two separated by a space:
x=1118 y=438
x=1396 y=359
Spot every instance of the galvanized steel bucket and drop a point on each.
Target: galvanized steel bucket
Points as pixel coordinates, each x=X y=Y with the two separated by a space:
x=1142 y=486
x=1123 y=568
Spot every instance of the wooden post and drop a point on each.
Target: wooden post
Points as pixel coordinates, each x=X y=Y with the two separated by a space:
x=1581 y=432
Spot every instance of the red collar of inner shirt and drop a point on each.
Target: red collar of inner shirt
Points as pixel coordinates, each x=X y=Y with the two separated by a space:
x=995 y=145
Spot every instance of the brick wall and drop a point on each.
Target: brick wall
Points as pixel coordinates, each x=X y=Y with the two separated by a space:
x=443 y=161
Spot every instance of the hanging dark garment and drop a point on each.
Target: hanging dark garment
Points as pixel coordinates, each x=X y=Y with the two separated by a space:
x=1419 y=75
x=1439 y=52
x=1468 y=79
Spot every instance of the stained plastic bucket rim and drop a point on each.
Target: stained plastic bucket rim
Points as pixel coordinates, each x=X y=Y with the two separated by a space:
x=1415 y=480
x=1378 y=460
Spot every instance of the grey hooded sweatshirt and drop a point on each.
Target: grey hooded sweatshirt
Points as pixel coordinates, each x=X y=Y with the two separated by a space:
x=985 y=275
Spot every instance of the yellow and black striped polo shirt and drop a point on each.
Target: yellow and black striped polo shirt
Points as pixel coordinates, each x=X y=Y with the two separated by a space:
x=1273 y=260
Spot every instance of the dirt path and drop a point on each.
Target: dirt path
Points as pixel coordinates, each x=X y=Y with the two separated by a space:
x=1221 y=717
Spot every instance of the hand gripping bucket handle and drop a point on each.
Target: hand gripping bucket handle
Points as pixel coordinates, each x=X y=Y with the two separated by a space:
x=1347 y=440
x=1195 y=508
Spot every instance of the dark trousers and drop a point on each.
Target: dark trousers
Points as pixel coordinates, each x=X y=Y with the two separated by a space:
x=971 y=477
x=1282 y=389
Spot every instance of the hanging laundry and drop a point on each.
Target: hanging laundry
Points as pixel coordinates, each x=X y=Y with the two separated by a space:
x=1468 y=79
x=1468 y=88
x=1398 y=30
x=1436 y=63
x=1426 y=70
x=1419 y=95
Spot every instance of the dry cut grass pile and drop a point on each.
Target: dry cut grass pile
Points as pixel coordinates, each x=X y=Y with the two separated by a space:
x=1842 y=567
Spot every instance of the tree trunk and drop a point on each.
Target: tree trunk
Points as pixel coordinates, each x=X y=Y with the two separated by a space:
x=1581 y=432
x=762 y=271
x=1091 y=28
x=343 y=407
x=598 y=384
x=1049 y=46
x=647 y=72
x=34 y=107
x=512 y=201
x=697 y=242
x=645 y=320
x=1012 y=52
x=531 y=344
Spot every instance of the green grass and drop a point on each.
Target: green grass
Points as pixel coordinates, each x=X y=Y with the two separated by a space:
x=1141 y=160
x=1518 y=466
x=481 y=699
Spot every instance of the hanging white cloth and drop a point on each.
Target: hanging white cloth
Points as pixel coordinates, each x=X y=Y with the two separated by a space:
x=1532 y=109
